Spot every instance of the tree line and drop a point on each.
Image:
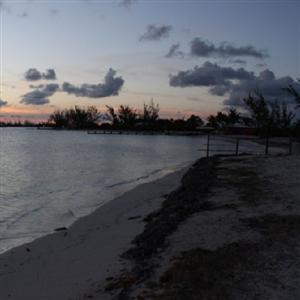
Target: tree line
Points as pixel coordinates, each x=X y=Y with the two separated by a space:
x=124 y=117
x=19 y=123
x=268 y=117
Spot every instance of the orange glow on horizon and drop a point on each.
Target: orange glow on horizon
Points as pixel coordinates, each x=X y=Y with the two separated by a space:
x=25 y=110
x=13 y=113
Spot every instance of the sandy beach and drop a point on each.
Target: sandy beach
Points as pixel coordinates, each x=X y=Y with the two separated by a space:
x=227 y=229
x=241 y=243
x=74 y=263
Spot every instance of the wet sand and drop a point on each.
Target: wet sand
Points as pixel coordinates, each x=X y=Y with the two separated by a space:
x=75 y=263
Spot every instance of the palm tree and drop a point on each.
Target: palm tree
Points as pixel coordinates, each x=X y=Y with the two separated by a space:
x=292 y=91
x=233 y=116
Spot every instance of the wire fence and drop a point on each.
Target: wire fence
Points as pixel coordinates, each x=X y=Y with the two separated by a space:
x=230 y=145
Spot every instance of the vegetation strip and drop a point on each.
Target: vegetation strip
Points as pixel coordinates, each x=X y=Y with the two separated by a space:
x=189 y=198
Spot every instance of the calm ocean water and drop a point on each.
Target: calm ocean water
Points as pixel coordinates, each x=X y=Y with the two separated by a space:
x=49 y=179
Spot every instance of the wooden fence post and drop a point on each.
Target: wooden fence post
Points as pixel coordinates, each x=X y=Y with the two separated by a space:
x=237 y=146
x=290 y=146
x=207 y=146
x=267 y=145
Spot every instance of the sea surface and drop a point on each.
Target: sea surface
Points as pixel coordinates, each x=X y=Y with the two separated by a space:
x=49 y=179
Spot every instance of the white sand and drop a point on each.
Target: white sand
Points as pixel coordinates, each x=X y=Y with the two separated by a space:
x=74 y=264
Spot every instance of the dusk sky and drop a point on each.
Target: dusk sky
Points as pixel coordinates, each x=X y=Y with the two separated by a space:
x=189 y=56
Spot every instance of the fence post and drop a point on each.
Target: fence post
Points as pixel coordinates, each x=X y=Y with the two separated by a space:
x=267 y=145
x=207 y=146
x=290 y=146
x=237 y=146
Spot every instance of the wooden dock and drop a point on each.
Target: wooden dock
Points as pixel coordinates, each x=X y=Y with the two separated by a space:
x=133 y=132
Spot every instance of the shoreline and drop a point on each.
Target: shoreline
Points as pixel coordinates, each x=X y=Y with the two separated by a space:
x=118 y=190
x=226 y=227
x=67 y=264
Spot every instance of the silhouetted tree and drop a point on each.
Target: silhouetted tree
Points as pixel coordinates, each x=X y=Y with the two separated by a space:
x=292 y=91
x=193 y=122
x=258 y=109
x=150 y=112
x=75 y=118
x=217 y=121
x=59 y=119
x=268 y=117
x=127 y=116
x=113 y=116
x=280 y=117
x=233 y=116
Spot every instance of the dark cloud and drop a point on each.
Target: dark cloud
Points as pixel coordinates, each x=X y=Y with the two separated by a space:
x=156 y=33
x=40 y=95
x=174 y=51
x=201 y=47
x=265 y=82
x=50 y=88
x=49 y=74
x=204 y=48
x=111 y=87
x=3 y=103
x=33 y=75
x=39 y=86
x=209 y=75
x=235 y=84
x=266 y=75
x=220 y=89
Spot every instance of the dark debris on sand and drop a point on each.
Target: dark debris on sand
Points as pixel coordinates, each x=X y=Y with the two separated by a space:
x=189 y=198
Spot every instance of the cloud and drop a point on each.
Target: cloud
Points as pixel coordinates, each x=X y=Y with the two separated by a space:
x=266 y=82
x=208 y=75
x=174 y=51
x=156 y=33
x=3 y=103
x=40 y=95
x=39 y=86
x=33 y=75
x=238 y=61
x=204 y=48
x=111 y=87
x=234 y=84
x=49 y=74
x=220 y=89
